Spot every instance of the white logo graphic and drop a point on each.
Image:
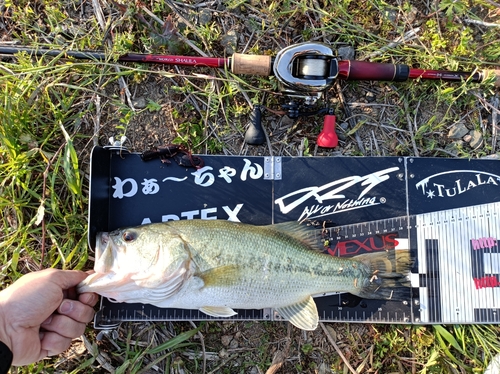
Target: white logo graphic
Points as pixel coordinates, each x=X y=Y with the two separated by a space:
x=459 y=186
x=335 y=190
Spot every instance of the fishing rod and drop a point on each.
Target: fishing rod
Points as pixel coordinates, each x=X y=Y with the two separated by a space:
x=304 y=72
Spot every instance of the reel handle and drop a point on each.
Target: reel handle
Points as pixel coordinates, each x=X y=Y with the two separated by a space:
x=328 y=138
x=255 y=133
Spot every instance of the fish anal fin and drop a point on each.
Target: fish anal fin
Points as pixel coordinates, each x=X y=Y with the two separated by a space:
x=303 y=315
x=301 y=232
x=221 y=276
x=218 y=311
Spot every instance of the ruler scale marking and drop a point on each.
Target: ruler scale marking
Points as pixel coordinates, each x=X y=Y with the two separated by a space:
x=436 y=265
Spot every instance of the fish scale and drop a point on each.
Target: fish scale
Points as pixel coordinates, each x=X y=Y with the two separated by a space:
x=215 y=266
x=295 y=267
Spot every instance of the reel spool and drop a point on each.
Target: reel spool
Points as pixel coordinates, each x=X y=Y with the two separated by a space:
x=312 y=68
x=306 y=68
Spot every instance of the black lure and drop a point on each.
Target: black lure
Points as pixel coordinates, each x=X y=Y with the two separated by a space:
x=175 y=152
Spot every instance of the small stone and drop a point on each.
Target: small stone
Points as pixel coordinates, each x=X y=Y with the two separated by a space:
x=233 y=344
x=230 y=42
x=346 y=52
x=476 y=139
x=344 y=126
x=324 y=369
x=205 y=16
x=455 y=146
x=370 y=97
x=411 y=16
x=226 y=339
x=390 y=14
x=139 y=103
x=458 y=131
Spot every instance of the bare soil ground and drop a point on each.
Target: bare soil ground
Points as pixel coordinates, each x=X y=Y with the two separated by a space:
x=153 y=108
x=374 y=119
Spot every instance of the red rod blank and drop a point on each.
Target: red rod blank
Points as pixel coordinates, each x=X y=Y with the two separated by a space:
x=213 y=62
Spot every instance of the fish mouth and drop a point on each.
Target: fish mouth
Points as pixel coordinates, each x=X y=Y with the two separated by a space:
x=103 y=263
x=103 y=253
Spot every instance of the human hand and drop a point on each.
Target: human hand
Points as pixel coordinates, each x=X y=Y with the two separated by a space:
x=41 y=313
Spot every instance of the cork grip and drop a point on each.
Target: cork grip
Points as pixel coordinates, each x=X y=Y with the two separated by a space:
x=251 y=64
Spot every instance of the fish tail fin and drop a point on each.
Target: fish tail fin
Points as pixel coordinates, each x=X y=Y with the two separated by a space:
x=389 y=275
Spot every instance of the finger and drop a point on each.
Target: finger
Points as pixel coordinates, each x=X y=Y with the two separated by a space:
x=64 y=326
x=52 y=343
x=68 y=278
x=71 y=293
x=88 y=298
x=76 y=310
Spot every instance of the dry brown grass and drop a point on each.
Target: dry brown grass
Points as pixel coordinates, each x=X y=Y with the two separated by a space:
x=207 y=110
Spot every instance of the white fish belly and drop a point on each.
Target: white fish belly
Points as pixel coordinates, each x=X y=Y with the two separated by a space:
x=252 y=293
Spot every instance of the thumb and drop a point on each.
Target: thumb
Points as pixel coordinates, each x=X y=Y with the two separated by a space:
x=68 y=278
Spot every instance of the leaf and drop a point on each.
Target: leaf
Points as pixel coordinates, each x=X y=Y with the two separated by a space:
x=122 y=369
x=70 y=166
x=172 y=343
x=14 y=260
x=446 y=335
x=168 y=29
x=432 y=359
x=447 y=90
x=357 y=127
x=40 y=213
x=153 y=106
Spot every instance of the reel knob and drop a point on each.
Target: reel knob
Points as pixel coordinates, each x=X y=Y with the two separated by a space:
x=255 y=133
x=328 y=138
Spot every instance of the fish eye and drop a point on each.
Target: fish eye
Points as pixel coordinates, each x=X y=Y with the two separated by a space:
x=129 y=236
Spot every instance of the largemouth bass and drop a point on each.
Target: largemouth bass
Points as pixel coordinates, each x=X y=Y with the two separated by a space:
x=217 y=266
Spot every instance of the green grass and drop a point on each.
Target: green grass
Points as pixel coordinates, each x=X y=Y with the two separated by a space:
x=53 y=111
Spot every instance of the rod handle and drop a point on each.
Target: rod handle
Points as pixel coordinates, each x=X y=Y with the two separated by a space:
x=251 y=64
x=255 y=133
x=364 y=70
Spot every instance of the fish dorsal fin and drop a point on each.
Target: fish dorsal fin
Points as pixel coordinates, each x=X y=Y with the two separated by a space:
x=303 y=315
x=301 y=232
x=227 y=275
x=218 y=311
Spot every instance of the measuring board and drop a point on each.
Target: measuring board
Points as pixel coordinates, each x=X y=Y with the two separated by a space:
x=445 y=211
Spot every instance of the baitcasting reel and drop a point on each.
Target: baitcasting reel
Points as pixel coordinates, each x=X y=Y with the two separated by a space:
x=304 y=72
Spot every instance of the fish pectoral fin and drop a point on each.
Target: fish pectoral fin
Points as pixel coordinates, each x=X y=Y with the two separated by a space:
x=303 y=315
x=221 y=276
x=218 y=311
